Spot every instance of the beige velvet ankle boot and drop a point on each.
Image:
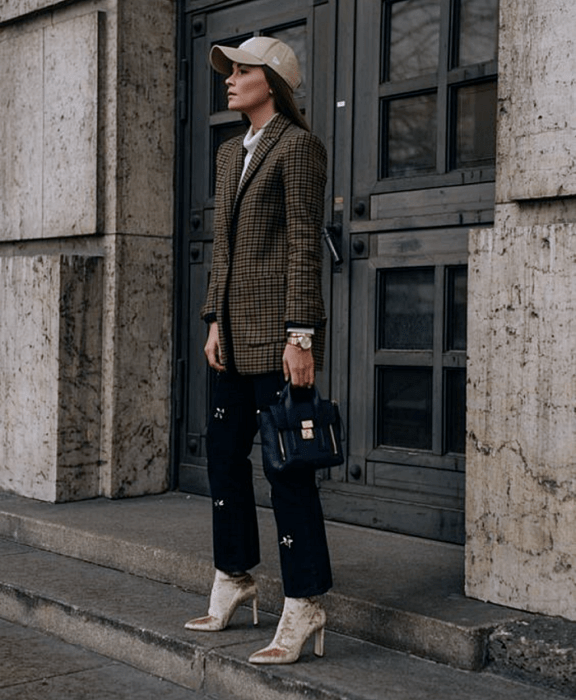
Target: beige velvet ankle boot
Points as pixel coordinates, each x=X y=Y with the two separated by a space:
x=301 y=618
x=228 y=592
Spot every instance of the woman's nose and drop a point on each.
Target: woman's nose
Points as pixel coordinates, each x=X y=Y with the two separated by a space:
x=229 y=80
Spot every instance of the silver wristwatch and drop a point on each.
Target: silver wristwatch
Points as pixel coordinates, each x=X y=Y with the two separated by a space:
x=302 y=340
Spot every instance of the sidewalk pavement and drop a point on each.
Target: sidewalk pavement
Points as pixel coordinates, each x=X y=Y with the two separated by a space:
x=35 y=666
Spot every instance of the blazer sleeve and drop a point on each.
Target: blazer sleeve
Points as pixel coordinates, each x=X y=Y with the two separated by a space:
x=304 y=175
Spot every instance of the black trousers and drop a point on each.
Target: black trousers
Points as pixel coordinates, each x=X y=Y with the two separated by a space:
x=232 y=426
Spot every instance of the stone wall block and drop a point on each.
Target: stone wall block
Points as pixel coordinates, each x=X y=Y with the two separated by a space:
x=28 y=376
x=21 y=136
x=49 y=130
x=537 y=107
x=50 y=344
x=521 y=464
x=136 y=421
x=146 y=67
x=11 y=9
x=71 y=127
x=79 y=383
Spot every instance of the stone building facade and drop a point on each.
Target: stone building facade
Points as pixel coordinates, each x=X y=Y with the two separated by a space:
x=521 y=469
x=87 y=152
x=86 y=223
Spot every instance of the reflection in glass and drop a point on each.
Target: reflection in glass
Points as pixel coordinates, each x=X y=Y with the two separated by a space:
x=478 y=31
x=406 y=319
x=457 y=288
x=455 y=383
x=414 y=38
x=476 y=125
x=295 y=37
x=404 y=400
x=219 y=135
x=409 y=125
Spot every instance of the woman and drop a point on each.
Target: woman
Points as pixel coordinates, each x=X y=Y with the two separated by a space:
x=266 y=326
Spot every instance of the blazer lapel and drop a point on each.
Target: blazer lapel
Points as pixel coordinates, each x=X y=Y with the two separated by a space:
x=269 y=138
x=232 y=179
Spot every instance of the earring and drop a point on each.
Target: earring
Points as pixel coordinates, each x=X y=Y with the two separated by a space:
x=270 y=91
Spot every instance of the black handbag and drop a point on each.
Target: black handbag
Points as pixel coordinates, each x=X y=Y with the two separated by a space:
x=302 y=430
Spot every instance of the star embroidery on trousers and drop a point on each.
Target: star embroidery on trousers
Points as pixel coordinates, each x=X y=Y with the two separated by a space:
x=219 y=503
x=287 y=541
x=219 y=414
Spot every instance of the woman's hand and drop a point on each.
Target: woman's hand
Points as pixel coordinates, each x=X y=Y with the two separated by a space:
x=298 y=366
x=212 y=348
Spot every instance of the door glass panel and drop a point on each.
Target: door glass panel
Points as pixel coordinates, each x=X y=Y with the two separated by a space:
x=406 y=303
x=414 y=38
x=409 y=127
x=476 y=125
x=404 y=400
x=457 y=292
x=478 y=31
x=455 y=383
x=296 y=37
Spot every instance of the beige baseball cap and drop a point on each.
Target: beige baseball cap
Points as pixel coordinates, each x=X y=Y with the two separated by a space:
x=259 y=51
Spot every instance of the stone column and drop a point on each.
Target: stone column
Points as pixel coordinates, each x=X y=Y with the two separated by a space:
x=86 y=221
x=521 y=461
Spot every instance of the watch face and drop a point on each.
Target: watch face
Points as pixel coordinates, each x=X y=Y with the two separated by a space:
x=305 y=342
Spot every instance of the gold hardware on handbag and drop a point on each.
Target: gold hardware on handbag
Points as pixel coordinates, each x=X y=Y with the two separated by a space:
x=307 y=430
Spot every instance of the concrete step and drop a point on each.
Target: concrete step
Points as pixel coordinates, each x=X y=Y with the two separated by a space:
x=400 y=592
x=37 y=666
x=139 y=621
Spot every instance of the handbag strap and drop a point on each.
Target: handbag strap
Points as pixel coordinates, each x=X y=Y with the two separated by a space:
x=289 y=402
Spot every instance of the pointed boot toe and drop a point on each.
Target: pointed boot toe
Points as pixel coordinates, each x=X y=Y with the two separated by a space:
x=228 y=592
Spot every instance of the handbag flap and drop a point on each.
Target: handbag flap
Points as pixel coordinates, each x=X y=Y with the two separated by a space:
x=289 y=413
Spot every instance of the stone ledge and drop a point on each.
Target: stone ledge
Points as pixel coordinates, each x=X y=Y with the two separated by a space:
x=540 y=650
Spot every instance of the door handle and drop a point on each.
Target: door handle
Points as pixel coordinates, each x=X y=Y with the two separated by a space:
x=330 y=232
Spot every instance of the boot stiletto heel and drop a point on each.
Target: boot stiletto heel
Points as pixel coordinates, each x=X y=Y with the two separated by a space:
x=228 y=592
x=301 y=618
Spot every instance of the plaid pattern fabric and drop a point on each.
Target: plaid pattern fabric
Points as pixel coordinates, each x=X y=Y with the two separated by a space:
x=267 y=258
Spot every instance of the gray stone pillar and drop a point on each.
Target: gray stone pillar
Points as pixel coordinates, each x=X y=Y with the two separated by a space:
x=521 y=461
x=86 y=216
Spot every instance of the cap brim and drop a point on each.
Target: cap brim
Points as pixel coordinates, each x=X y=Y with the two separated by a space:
x=222 y=58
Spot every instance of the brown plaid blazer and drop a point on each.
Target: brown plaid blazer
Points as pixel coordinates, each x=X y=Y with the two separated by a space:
x=267 y=262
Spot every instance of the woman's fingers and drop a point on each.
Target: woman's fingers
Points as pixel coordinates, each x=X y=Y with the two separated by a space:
x=212 y=349
x=298 y=366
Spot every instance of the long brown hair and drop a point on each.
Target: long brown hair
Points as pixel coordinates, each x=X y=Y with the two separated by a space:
x=284 y=98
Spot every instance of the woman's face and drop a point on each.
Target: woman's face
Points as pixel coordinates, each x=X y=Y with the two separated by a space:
x=248 y=89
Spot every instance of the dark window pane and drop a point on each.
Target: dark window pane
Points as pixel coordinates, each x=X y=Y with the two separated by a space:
x=414 y=38
x=409 y=128
x=455 y=382
x=219 y=135
x=457 y=294
x=404 y=417
x=219 y=97
x=296 y=37
x=476 y=125
x=406 y=309
x=478 y=31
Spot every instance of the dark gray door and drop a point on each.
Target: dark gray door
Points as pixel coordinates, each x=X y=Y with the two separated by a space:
x=403 y=93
